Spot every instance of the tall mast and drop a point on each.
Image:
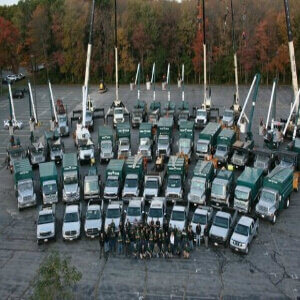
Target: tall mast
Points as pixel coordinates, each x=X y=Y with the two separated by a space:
x=204 y=51
x=182 y=84
x=116 y=55
x=153 y=81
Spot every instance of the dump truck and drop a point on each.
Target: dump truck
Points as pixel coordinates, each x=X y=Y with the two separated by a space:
x=275 y=194
x=114 y=179
x=146 y=141
x=134 y=177
x=123 y=140
x=225 y=141
x=264 y=159
x=186 y=138
x=23 y=183
x=222 y=188
x=139 y=113
x=207 y=140
x=242 y=154
x=71 y=189
x=49 y=182
x=203 y=176
x=247 y=189
x=91 y=184
x=106 y=142
x=164 y=136
x=175 y=179
x=14 y=153
x=154 y=113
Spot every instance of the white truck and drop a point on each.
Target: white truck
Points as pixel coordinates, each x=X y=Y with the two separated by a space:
x=71 y=222
x=46 y=224
x=157 y=211
x=203 y=215
x=179 y=217
x=113 y=214
x=152 y=185
x=245 y=230
x=134 y=213
x=93 y=219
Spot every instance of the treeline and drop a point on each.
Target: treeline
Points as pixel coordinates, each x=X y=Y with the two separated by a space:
x=55 y=33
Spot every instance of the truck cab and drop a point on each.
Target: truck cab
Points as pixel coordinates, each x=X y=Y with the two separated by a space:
x=135 y=211
x=139 y=113
x=113 y=215
x=186 y=138
x=183 y=113
x=46 y=224
x=178 y=217
x=222 y=188
x=49 y=182
x=56 y=149
x=154 y=113
x=245 y=230
x=118 y=116
x=145 y=140
x=164 y=136
x=93 y=219
x=131 y=186
x=86 y=150
x=71 y=222
x=222 y=227
x=91 y=185
x=264 y=159
x=201 y=117
x=123 y=137
x=157 y=211
x=203 y=215
x=242 y=153
x=228 y=118
x=225 y=141
x=37 y=153
x=63 y=128
x=152 y=186
x=106 y=140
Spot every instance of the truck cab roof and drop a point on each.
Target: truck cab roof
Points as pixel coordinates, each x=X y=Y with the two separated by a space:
x=246 y=221
x=46 y=210
x=223 y=214
x=72 y=208
x=179 y=208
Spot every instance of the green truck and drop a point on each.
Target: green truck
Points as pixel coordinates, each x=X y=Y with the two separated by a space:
x=203 y=176
x=175 y=178
x=106 y=142
x=164 y=136
x=23 y=183
x=207 y=140
x=169 y=110
x=114 y=179
x=222 y=188
x=225 y=141
x=183 y=112
x=145 y=140
x=71 y=189
x=247 y=189
x=275 y=194
x=134 y=176
x=139 y=113
x=154 y=112
x=123 y=138
x=49 y=182
x=186 y=138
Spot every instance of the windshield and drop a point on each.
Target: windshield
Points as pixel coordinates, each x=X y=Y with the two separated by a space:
x=71 y=217
x=118 y=111
x=106 y=144
x=124 y=142
x=16 y=154
x=37 y=150
x=261 y=158
x=218 y=189
x=25 y=186
x=155 y=212
x=137 y=114
x=86 y=147
x=222 y=148
x=201 y=113
x=131 y=182
x=45 y=219
x=286 y=163
x=174 y=182
x=88 y=115
x=134 y=211
x=228 y=114
x=198 y=185
x=91 y=186
x=56 y=147
x=144 y=141
x=241 y=195
x=93 y=214
x=202 y=147
x=113 y=213
x=70 y=178
x=183 y=116
x=50 y=189
x=197 y=218
x=177 y=216
x=184 y=143
x=62 y=119
x=242 y=229
x=221 y=222
x=112 y=183
x=151 y=184
x=268 y=196
x=163 y=141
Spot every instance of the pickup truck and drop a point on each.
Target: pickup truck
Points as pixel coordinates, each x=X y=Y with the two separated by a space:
x=245 y=230
x=179 y=217
x=204 y=216
x=222 y=227
x=157 y=211
x=46 y=224
x=71 y=222
x=135 y=211
x=91 y=185
x=93 y=219
x=113 y=215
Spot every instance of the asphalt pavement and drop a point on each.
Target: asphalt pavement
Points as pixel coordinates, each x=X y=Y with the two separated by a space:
x=270 y=270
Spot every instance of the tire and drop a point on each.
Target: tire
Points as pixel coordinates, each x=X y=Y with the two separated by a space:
x=274 y=219
x=247 y=250
x=287 y=203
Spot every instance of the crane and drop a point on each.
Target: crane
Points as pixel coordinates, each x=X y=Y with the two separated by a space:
x=183 y=109
x=170 y=106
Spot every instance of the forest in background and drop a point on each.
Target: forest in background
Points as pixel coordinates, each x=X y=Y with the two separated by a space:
x=55 y=33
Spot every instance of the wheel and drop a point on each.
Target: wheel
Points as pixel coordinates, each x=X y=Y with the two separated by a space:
x=287 y=203
x=247 y=250
x=274 y=219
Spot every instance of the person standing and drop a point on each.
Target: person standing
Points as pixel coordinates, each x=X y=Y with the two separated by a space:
x=127 y=245
x=205 y=234
x=120 y=243
x=191 y=238
x=106 y=245
x=172 y=242
x=101 y=244
x=198 y=235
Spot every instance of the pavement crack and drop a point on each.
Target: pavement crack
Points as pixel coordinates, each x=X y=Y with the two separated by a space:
x=145 y=281
x=223 y=261
x=185 y=285
x=96 y=287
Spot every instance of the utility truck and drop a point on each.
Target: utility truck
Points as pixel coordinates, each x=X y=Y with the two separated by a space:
x=123 y=140
x=37 y=153
x=164 y=137
x=186 y=138
x=49 y=182
x=91 y=184
x=146 y=141
x=225 y=141
x=106 y=142
x=157 y=211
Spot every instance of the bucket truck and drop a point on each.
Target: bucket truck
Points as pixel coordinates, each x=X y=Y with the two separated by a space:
x=15 y=123
x=242 y=154
x=155 y=106
x=170 y=106
x=183 y=109
x=117 y=109
x=139 y=112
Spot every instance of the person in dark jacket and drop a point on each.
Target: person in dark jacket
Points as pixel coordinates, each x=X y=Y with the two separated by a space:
x=101 y=244
x=191 y=238
x=205 y=234
x=198 y=235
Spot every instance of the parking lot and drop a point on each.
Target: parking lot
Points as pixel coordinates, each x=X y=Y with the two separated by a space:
x=270 y=270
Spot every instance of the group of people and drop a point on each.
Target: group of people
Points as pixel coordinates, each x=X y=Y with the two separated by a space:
x=145 y=241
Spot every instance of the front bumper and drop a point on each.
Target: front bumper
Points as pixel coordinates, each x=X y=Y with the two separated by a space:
x=71 y=198
x=45 y=238
x=27 y=203
x=92 y=232
x=264 y=215
x=216 y=240
x=70 y=237
x=238 y=247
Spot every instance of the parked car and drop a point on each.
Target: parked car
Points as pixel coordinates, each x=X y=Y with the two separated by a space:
x=71 y=222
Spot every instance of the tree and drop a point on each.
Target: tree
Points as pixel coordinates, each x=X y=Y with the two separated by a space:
x=55 y=278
